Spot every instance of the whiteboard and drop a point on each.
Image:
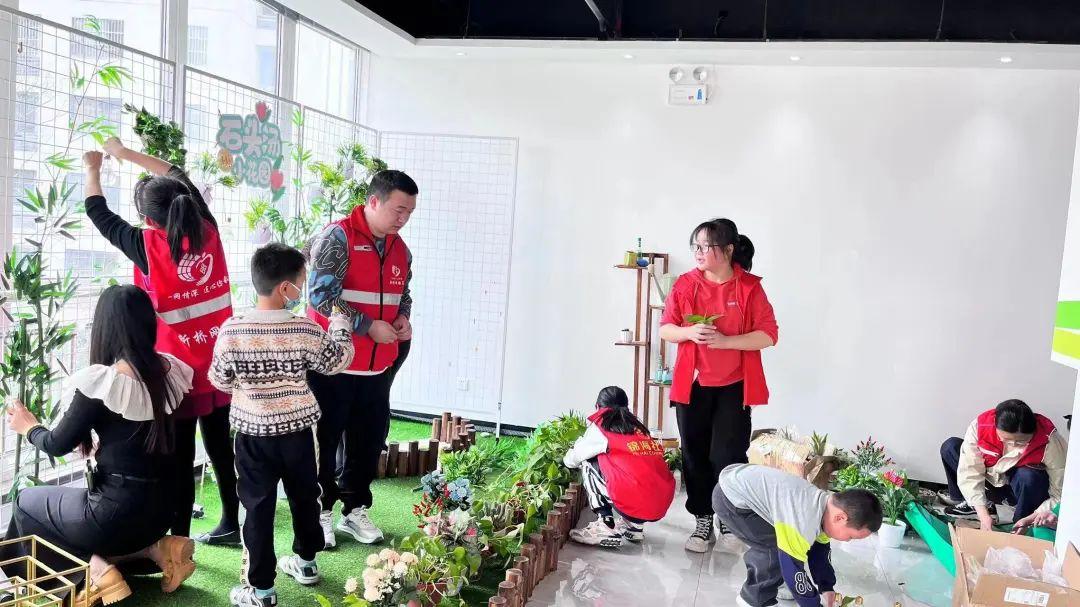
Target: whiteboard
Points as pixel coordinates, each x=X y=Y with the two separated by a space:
x=460 y=237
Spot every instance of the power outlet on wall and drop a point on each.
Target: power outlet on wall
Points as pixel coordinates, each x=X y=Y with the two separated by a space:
x=463 y=384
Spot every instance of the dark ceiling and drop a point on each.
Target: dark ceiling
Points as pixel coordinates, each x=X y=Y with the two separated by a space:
x=1054 y=21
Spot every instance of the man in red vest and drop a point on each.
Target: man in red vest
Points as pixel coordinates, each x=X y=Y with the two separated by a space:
x=361 y=265
x=1009 y=454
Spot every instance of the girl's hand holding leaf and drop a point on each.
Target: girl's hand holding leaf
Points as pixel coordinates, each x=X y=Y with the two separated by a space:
x=700 y=334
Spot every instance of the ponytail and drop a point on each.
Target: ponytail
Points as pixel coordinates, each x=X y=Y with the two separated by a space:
x=184 y=221
x=619 y=419
x=743 y=254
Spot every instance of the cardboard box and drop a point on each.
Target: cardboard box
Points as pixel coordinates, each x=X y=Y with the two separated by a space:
x=994 y=590
x=770 y=449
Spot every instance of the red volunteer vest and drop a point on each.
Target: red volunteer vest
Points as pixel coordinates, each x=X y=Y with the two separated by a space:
x=638 y=480
x=373 y=286
x=192 y=300
x=993 y=450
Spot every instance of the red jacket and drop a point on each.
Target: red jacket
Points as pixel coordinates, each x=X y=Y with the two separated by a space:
x=688 y=297
x=373 y=286
x=993 y=450
x=192 y=300
x=639 y=482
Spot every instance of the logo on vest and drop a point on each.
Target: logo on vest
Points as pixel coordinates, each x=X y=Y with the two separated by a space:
x=196 y=268
x=396 y=271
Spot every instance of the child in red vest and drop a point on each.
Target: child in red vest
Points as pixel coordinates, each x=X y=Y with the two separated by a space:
x=623 y=472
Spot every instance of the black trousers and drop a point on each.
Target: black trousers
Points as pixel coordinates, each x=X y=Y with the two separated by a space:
x=359 y=405
x=117 y=518
x=1028 y=487
x=763 y=574
x=714 y=430
x=219 y=448
x=403 y=353
x=262 y=461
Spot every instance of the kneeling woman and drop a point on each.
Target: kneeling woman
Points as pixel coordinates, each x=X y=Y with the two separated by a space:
x=126 y=398
x=623 y=472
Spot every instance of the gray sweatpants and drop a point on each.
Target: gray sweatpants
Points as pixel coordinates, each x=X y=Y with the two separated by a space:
x=763 y=575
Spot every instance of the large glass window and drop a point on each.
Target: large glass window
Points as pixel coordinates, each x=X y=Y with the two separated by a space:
x=241 y=40
x=135 y=23
x=325 y=72
x=197 y=45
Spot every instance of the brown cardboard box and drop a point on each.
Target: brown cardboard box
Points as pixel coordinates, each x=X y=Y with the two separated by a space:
x=769 y=449
x=993 y=590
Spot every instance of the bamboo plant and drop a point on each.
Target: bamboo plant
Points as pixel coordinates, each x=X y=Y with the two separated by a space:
x=33 y=295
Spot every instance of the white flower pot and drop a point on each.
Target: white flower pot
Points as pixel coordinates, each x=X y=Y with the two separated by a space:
x=891 y=536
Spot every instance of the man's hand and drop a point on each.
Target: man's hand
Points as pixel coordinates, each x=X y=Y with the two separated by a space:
x=382 y=332
x=403 y=328
x=1036 y=519
x=700 y=334
x=92 y=162
x=986 y=523
x=114 y=147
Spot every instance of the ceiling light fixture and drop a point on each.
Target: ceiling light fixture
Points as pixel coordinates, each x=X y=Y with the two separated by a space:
x=627 y=56
x=795 y=58
x=461 y=53
x=1005 y=59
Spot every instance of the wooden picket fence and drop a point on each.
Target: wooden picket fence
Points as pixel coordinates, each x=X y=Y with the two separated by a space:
x=450 y=433
x=540 y=552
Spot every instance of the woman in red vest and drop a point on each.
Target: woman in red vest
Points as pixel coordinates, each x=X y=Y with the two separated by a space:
x=1009 y=454
x=718 y=374
x=623 y=472
x=180 y=262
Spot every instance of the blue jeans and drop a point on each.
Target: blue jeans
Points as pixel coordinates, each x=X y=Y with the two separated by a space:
x=1028 y=487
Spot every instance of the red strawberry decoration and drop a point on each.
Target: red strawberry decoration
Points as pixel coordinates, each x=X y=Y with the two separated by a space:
x=262 y=111
x=277 y=180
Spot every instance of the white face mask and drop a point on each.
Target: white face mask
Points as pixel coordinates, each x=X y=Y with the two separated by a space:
x=291 y=304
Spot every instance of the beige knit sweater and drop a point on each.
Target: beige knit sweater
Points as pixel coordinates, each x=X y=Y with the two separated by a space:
x=262 y=357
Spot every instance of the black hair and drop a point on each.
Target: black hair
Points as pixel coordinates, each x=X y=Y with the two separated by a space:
x=1014 y=416
x=724 y=233
x=385 y=182
x=619 y=419
x=863 y=509
x=273 y=264
x=125 y=329
x=169 y=203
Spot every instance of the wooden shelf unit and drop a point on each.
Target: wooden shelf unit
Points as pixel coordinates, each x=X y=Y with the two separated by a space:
x=645 y=310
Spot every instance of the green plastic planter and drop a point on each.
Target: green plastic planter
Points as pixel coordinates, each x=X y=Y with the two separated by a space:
x=933 y=531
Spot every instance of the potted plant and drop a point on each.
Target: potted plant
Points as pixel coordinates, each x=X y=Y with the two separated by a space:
x=895 y=498
x=389 y=580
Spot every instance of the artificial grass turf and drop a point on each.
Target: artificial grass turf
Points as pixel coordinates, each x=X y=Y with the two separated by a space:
x=218 y=568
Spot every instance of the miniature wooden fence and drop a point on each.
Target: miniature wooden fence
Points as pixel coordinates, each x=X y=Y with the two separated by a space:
x=449 y=433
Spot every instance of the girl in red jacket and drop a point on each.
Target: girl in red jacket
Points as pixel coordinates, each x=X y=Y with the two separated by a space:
x=623 y=472
x=718 y=374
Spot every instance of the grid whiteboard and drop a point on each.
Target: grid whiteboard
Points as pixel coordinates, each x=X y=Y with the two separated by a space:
x=460 y=237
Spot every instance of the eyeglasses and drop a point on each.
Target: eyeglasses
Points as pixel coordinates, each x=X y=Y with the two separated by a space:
x=696 y=248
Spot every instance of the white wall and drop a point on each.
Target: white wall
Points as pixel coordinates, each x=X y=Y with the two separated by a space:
x=909 y=224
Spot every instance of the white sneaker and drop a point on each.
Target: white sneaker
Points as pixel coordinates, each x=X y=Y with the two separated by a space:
x=326 y=521
x=358 y=524
x=784 y=593
x=291 y=566
x=630 y=531
x=597 y=533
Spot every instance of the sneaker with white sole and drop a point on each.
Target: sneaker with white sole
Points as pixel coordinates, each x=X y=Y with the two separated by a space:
x=326 y=521
x=946 y=498
x=964 y=510
x=630 y=531
x=358 y=524
x=244 y=596
x=703 y=538
x=597 y=533
x=294 y=567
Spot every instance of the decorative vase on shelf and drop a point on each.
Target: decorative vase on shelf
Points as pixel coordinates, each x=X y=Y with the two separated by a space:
x=625 y=336
x=643 y=262
x=891 y=536
x=261 y=234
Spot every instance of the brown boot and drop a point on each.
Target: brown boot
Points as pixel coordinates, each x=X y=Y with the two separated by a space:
x=109 y=588
x=176 y=563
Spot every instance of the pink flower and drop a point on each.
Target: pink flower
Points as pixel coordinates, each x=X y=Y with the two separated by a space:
x=894 y=478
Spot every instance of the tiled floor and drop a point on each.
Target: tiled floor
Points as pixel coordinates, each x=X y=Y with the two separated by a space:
x=659 y=573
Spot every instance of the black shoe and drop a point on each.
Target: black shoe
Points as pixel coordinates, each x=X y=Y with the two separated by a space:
x=964 y=510
x=219 y=538
x=721 y=528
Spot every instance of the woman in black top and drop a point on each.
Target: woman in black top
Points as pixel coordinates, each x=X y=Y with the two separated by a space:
x=210 y=409
x=126 y=398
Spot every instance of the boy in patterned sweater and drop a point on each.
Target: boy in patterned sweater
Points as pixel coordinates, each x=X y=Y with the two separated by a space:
x=262 y=357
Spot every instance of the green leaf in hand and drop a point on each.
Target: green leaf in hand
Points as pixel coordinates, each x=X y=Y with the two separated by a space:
x=701 y=319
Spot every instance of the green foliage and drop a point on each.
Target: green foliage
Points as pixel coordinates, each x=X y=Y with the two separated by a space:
x=895 y=495
x=701 y=319
x=484 y=461
x=160 y=139
x=673 y=458
x=870 y=457
x=853 y=477
x=208 y=170
x=818 y=444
